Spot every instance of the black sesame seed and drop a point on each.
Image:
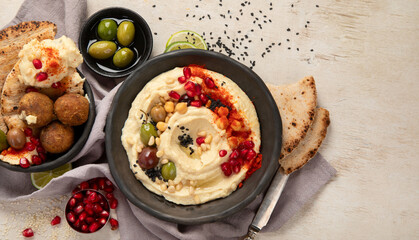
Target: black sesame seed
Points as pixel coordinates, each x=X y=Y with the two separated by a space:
x=160 y=18
x=297 y=34
x=154 y=6
x=288 y=29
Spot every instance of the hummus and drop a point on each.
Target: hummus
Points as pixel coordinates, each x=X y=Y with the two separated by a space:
x=56 y=58
x=207 y=135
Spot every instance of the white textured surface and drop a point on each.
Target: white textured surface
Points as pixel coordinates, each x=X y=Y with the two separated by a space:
x=365 y=62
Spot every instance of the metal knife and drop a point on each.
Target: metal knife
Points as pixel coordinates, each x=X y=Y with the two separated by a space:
x=268 y=204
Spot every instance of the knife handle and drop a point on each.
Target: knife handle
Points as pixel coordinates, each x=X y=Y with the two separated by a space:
x=251 y=234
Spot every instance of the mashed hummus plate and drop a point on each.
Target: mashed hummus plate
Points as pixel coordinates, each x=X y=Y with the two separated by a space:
x=194 y=141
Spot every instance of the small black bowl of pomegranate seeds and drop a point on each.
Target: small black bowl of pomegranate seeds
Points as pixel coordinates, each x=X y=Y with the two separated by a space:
x=88 y=209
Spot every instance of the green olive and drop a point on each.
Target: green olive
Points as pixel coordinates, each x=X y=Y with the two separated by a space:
x=168 y=171
x=3 y=141
x=102 y=49
x=125 y=33
x=123 y=57
x=107 y=29
x=147 y=130
x=158 y=114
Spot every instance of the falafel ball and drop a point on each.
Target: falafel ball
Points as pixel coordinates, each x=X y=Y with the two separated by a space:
x=72 y=109
x=38 y=105
x=57 y=137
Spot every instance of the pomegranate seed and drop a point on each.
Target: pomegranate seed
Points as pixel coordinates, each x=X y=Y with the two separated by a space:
x=209 y=83
x=82 y=216
x=75 y=190
x=110 y=196
x=236 y=168
x=36 y=160
x=203 y=98
x=200 y=140
x=37 y=63
x=77 y=224
x=103 y=204
x=97 y=208
x=40 y=149
x=78 y=196
x=42 y=156
x=30 y=146
x=174 y=95
x=243 y=152
x=250 y=155
x=84 y=228
x=104 y=214
x=56 y=220
x=31 y=89
x=56 y=85
x=94 y=227
x=108 y=189
x=190 y=94
x=222 y=153
x=89 y=209
x=226 y=168
x=114 y=223
x=23 y=162
x=108 y=182
x=196 y=103
x=84 y=185
x=70 y=217
x=28 y=132
x=102 y=221
x=42 y=76
x=28 y=232
x=187 y=72
x=182 y=79
x=234 y=154
x=101 y=183
x=113 y=203
x=89 y=220
x=94 y=186
x=79 y=208
x=72 y=202
x=35 y=141
x=240 y=161
x=93 y=197
x=248 y=144
x=198 y=89
x=190 y=86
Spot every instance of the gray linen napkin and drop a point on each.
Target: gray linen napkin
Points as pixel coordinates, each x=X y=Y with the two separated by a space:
x=69 y=15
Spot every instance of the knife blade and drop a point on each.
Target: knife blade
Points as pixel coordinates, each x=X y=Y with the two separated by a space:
x=268 y=204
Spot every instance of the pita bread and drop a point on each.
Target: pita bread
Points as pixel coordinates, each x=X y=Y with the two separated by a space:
x=309 y=145
x=12 y=40
x=296 y=103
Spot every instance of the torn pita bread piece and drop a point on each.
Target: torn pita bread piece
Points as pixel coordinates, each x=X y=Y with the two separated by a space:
x=12 y=40
x=296 y=103
x=309 y=146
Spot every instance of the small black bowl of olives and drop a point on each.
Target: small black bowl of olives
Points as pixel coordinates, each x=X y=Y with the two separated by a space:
x=115 y=41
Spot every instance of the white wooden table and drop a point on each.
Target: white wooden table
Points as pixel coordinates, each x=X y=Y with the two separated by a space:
x=365 y=60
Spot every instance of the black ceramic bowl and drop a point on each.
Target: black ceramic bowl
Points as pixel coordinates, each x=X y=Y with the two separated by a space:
x=142 y=45
x=81 y=133
x=271 y=130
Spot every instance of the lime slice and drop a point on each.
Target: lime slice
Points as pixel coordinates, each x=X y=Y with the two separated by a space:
x=41 y=179
x=187 y=36
x=179 y=45
x=3 y=141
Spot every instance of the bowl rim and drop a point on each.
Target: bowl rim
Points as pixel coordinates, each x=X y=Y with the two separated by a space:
x=147 y=34
x=74 y=150
x=265 y=179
